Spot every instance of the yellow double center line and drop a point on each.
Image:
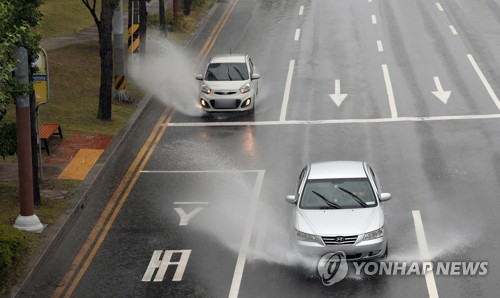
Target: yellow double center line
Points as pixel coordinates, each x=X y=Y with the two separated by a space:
x=101 y=228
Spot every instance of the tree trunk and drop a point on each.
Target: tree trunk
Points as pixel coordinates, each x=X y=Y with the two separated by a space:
x=105 y=29
x=143 y=25
x=163 y=24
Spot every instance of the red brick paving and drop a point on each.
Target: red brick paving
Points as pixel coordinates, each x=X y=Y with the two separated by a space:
x=63 y=150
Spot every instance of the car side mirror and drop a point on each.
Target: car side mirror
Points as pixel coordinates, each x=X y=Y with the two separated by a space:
x=255 y=76
x=199 y=77
x=291 y=199
x=385 y=196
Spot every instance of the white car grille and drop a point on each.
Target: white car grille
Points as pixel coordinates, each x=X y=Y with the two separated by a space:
x=339 y=240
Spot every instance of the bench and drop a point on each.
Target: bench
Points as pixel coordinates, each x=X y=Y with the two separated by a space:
x=46 y=131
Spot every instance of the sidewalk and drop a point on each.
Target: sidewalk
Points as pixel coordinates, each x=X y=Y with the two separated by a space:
x=91 y=34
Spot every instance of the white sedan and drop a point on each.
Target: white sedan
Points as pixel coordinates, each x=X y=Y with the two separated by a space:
x=338 y=207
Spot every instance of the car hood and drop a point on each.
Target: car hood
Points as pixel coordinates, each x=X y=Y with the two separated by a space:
x=339 y=221
x=226 y=85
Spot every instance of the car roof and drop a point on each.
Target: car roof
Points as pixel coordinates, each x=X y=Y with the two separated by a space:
x=337 y=169
x=229 y=58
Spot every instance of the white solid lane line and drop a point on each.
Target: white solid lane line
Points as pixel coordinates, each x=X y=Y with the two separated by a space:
x=330 y=121
x=297 y=35
x=247 y=235
x=286 y=94
x=390 y=93
x=301 y=10
x=485 y=81
x=439 y=7
x=453 y=30
x=380 y=46
x=374 y=19
x=424 y=252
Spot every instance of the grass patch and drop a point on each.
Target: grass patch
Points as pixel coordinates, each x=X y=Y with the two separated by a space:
x=64 y=17
x=17 y=246
x=74 y=83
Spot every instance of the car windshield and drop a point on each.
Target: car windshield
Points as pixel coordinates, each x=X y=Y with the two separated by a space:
x=338 y=194
x=226 y=72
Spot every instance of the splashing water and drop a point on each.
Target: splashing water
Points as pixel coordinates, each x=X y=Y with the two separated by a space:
x=168 y=71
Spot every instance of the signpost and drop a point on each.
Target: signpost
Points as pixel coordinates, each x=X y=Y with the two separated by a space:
x=41 y=78
x=42 y=95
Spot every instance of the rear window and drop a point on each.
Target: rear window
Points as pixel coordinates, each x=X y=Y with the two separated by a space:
x=227 y=72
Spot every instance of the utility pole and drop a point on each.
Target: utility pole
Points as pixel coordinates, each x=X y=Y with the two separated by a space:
x=27 y=220
x=133 y=31
x=118 y=52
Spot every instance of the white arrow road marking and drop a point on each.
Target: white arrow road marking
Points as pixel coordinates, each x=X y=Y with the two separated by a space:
x=440 y=93
x=338 y=98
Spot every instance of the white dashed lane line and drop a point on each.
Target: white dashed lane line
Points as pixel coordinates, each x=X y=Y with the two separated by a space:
x=297 y=35
x=453 y=30
x=390 y=93
x=374 y=19
x=380 y=46
x=301 y=10
x=424 y=252
x=439 y=7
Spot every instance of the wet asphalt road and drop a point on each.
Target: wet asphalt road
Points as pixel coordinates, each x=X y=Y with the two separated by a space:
x=211 y=190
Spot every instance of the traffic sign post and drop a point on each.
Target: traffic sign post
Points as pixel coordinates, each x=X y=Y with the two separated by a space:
x=41 y=78
x=41 y=87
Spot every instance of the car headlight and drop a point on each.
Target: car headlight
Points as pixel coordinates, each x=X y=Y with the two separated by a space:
x=206 y=89
x=245 y=88
x=304 y=236
x=374 y=234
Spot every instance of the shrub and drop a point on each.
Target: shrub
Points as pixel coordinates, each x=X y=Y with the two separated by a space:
x=8 y=138
x=12 y=243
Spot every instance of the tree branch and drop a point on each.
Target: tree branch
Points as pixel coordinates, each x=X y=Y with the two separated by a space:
x=92 y=11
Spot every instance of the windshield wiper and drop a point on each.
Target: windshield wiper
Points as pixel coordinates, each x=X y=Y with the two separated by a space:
x=239 y=73
x=328 y=202
x=355 y=197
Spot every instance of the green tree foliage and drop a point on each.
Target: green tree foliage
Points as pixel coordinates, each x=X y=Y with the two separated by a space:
x=17 y=19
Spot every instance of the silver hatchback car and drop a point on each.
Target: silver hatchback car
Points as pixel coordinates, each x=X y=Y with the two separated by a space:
x=338 y=208
x=230 y=83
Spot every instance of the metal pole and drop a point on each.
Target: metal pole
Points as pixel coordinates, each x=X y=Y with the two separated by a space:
x=27 y=220
x=118 y=52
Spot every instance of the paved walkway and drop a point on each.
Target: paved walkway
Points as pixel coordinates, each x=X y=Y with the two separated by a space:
x=91 y=34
